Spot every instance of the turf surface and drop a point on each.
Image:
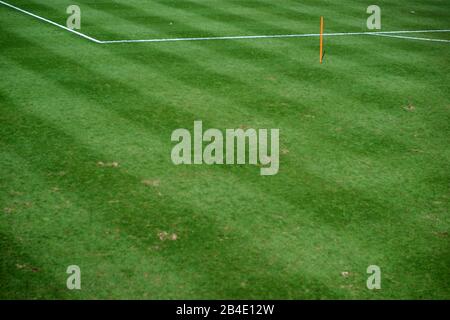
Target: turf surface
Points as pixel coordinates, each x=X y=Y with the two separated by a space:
x=365 y=156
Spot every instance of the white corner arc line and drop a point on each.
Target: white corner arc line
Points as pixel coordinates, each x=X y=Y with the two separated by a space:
x=51 y=22
x=410 y=38
x=305 y=35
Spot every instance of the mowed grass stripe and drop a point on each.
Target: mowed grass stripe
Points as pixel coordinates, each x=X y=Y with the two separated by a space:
x=352 y=14
x=271 y=242
x=80 y=165
x=100 y=225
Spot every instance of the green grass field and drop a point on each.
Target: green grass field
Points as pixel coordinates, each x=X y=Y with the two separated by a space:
x=364 y=142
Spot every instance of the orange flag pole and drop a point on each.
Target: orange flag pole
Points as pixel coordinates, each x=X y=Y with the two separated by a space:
x=321 y=39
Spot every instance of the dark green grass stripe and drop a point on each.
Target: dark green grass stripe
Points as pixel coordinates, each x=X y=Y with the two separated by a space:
x=19 y=273
x=247 y=24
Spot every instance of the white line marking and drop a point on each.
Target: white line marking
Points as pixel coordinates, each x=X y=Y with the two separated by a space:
x=410 y=38
x=51 y=22
x=380 y=33
x=274 y=36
